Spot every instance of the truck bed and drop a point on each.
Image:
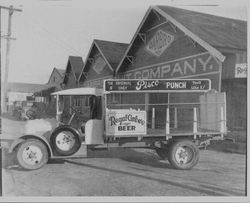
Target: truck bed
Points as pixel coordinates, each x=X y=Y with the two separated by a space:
x=174 y=132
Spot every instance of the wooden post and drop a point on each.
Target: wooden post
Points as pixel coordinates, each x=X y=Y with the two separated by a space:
x=195 y=127
x=222 y=121
x=70 y=104
x=57 y=108
x=175 y=118
x=146 y=101
x=153 y=118
x=167 y=122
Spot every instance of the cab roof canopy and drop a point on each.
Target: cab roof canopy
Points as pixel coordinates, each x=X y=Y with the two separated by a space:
x=211 y=32
x=79 y=91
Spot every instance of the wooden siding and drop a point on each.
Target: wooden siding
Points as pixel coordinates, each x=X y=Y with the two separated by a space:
x=228 y=66
x=71 y=81
x=236 y=94
x=182 y=46
x=93 y=75
x=95 y=79
x=55 y=78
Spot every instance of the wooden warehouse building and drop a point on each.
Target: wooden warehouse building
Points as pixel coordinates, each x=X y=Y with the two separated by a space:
x=177 y=43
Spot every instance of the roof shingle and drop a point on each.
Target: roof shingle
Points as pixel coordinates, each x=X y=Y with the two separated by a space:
x=215 y=30
x=61 y=71
x=113 y=51
x=76 y=63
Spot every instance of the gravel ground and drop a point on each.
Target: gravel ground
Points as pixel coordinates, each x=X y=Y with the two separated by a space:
x=120 y=172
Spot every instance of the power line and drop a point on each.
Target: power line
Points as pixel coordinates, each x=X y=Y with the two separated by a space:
x=55 y=37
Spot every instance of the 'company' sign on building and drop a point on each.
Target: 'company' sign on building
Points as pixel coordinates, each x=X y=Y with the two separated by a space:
x=189 y=66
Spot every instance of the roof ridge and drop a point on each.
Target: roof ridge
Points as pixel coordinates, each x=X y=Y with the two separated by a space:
x=107 y=41
x=222 y=17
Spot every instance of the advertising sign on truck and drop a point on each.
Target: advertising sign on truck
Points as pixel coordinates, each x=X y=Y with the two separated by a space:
x=126 y=122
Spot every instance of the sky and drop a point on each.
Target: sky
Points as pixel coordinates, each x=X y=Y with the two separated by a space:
x=47 y=32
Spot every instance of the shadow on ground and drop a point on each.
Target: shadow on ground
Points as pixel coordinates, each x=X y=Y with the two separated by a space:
x=140 y=156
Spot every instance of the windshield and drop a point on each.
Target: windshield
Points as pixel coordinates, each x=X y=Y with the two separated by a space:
x=84 y=107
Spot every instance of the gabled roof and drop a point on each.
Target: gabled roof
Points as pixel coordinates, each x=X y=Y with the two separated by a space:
x=61 y=72
x=209 y=31
x=215 y=30
x=25 y=87
x=76 y=64
x=112 y=53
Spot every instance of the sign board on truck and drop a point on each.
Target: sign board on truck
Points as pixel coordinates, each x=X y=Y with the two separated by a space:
x=159 y=85
x=126 y=122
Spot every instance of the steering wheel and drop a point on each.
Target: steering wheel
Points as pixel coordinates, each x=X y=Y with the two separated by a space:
x=75 y=112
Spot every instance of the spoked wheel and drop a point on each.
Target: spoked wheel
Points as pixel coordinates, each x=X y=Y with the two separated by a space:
x=183 y=154
x=32 y=154
x=65 y=141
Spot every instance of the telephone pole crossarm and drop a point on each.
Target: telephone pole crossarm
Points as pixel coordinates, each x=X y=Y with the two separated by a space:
x=11 y=7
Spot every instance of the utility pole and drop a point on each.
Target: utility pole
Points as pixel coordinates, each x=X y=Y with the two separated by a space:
x=8 y=37
x=0 y=70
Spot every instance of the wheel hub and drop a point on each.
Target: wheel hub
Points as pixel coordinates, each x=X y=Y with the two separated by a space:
x=65 y=140
x=32 y=155
x=183 y=155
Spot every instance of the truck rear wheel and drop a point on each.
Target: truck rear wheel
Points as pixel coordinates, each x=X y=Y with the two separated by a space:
x=32 y=154
x=183 y=154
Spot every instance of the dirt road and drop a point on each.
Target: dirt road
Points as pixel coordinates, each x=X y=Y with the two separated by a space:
x=120 y=172
x=130 y=173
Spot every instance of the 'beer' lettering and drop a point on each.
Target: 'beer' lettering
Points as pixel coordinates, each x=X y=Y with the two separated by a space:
x=126 y=128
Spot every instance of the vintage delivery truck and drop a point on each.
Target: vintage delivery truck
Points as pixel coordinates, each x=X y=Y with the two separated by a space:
x=174 y=117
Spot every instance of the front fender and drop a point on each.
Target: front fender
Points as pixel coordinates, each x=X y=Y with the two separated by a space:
x=42 y=138
x=15 y=143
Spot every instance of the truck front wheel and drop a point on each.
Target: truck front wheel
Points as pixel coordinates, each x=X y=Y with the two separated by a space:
x=32 y=154
x=183 y=154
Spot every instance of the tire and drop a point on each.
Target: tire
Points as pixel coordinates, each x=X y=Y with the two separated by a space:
x=183 y=154
x=32 y=154
x=65 y=141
